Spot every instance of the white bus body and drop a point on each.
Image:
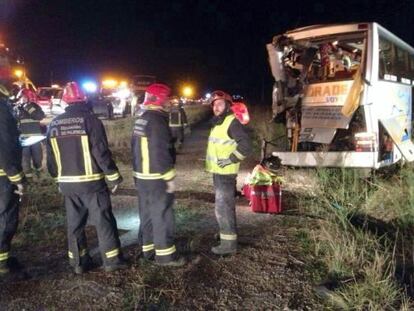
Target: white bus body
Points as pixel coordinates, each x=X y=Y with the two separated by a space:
x=344 y=93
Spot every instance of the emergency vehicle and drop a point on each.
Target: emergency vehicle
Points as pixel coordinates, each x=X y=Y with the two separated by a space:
x=118 y=94
x=139 y=84
x=344 y=94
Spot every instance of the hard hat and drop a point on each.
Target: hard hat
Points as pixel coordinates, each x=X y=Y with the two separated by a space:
x=72 y=93
x=220 y=95
x=157 y=94
x=28 y=94
x=240 y=112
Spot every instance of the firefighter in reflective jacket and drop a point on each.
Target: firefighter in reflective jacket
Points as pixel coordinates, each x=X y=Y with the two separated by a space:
x=228 y=144
x=153 y=163
x=79 y=159
x=177 y=122
x=11 y=178
x=30 y=115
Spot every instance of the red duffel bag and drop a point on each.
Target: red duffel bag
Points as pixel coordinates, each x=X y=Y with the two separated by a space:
x=264 y=199
x=264 y=191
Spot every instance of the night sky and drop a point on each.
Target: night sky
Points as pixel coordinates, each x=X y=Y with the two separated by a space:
x=211 y=43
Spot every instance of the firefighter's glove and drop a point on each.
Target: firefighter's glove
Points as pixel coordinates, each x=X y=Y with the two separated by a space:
x=114 y=184
x=114 y=189
x=19 y=189
x=170 y=186
x=224 y=162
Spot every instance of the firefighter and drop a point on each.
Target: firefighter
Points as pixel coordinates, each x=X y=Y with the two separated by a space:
x=228 y=145
x=30 y=115
x=79 y=159
x=177 y=122
x=153 y=164
x=11 y=182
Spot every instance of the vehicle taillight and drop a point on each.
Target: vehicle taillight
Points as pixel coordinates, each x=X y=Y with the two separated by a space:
x=365 y=142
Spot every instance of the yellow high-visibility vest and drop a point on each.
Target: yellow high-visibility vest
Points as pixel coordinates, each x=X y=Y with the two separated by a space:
x=221 y=146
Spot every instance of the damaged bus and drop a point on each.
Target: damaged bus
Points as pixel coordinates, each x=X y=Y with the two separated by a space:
x=344 y=94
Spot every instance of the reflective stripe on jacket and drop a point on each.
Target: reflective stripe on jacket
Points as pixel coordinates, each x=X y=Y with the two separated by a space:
x=153 y=154
x=221 y=146
x=78 y=154
x=177 y=117
x=10 y=150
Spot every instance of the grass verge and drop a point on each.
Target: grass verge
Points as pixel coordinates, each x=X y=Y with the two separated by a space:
x=356 y=242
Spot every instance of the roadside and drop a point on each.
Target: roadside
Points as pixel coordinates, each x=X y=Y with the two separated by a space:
x=267 y=273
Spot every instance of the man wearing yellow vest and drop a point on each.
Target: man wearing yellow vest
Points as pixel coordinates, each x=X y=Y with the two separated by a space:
x=228 y=144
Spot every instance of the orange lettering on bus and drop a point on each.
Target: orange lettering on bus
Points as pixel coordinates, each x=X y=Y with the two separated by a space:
x=326 y=91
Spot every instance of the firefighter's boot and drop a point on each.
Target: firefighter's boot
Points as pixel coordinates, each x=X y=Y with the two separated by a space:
x=226 y=247
x=4 y=268
x=120 y=264
x=86 y=264
x=178 y=262
x=12 y=270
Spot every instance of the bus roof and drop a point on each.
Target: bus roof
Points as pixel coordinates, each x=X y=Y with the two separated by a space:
x=320 y=30
x=329 y=29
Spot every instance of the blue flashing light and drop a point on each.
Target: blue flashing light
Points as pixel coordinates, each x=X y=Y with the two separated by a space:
x=90 y=86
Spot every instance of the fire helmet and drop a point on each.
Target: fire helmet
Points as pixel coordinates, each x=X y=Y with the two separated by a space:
x=72 y=93
x=157 y=94
x=240 y=112
x=220 y=95
x=28 y=95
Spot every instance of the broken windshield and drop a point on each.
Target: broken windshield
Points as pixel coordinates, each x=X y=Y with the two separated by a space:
x=324 y=59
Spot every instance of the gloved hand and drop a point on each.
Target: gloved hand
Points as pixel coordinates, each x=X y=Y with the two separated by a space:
x=19 y=189
x=114 y=184
x=224 y=162
x=170 y=186
x=114 y=189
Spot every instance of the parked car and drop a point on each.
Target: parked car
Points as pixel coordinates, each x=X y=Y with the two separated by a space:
x=101 y=106
x=120 y=98
x=49 y=99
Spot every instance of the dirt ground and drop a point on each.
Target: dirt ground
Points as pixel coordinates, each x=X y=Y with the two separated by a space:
x=268 y=273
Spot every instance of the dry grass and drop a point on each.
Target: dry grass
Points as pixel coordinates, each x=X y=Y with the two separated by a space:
x=263 y=127
x=376 y=290
x=360 y=262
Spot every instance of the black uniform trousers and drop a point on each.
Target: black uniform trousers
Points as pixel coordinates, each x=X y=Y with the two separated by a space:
x=9 y=217
x=97 y=205
x=157 y=224
x=177 y=133
x=225 y=203
x=32 y=153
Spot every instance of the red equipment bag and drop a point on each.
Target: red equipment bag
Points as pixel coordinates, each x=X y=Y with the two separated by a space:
x=264 y=199
x=265 y=195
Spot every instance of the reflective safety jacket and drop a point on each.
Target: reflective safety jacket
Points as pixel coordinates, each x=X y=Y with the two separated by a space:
x=177 y=117
x=228 y=140
x=153 y=154
x=29 y=119
x=78 y=156
x=10 y=150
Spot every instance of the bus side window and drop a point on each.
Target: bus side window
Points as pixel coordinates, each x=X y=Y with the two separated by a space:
x=385 y=58
x=395 y=60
